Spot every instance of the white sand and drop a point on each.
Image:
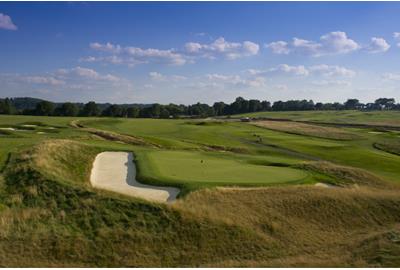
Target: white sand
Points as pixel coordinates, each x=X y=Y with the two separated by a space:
x=324 y=185
x=116 y=171
x=7 y=128
x=29 y=125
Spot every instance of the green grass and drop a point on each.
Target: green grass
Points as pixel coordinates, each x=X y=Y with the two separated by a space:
x=181 y=135
x=391 y=118
x=50 y=215
x=199 y=169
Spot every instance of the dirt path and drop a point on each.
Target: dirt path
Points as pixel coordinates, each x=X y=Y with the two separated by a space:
x=116 y=171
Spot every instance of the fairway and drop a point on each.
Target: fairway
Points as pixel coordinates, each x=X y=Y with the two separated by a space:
x=195 y=168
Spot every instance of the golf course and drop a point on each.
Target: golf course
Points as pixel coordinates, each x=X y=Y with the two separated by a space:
x=310 y=189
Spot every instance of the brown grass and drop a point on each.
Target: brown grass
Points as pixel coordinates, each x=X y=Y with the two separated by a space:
x=307 y=129
x=315 y=227
x=392 y=147
x=347 y=176
x=44 y=222
x=65 y=160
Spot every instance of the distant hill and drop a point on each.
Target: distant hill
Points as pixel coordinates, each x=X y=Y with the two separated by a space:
x=29 y=103
x=25 y=103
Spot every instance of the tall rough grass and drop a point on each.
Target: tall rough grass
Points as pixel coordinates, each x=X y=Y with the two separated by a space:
x=308 y=130
x=47 y=219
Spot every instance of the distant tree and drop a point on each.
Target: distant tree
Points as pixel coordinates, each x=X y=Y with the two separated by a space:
x=113 y=111
x=385 y=103
x=176 y=110
x=337 y=106
x=7 y=107
x=67 y=109
x=90 y=109
x=219 y=108
x=45 y=108
x=352 y=104
x=155 y=110
x=164 y=113
x=265 y=105
x=319 y=106
x=254 y=105
x=240 y=105
x=132 y=112
x=278 y=106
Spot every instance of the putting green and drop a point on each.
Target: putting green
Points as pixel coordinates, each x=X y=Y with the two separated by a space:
x=204 y=168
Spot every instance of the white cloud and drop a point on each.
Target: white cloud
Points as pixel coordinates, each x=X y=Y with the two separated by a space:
x=234 y=79
x=300 y=70
x=279 y=47
x=155 y=76
x=307 y=47
x=295 y=70
x=77 y=83
x=134 y=55
x=338 y=42
x=256 y=82
x=332 y=71
x=281 y=87
x=131 y=56
x=331 y=43
x=221 y=47
x=108 y=47
x=42 y=80
x=219 y=80
x=89 y=74
x=377 y=45
x=391 y=76
x=331 y=83
x=396 y=36
x=6 y=22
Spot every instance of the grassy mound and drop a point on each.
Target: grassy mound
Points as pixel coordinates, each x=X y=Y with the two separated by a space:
x=392 y=146
x=344 y=175
x=64 y=160
x=332 y=225
x=45 y=222
x=307 y=130
x=48 y=219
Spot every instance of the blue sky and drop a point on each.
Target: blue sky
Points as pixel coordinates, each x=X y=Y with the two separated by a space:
x=184 y=52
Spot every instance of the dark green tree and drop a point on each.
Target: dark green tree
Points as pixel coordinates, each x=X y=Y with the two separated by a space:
x=45 y=108
x=132 y=112
x=68 y=109
x=90 y=109
x=7 y=107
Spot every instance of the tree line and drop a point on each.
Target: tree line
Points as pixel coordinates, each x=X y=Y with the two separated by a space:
x=240 y=105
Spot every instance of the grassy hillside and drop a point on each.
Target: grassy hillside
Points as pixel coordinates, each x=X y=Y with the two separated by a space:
x=74 y=226
x=50 y=215
x=317 y=226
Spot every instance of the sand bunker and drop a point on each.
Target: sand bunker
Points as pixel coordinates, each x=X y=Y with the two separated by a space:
x=324 y=185
x=7 y=128
x=116 y=171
